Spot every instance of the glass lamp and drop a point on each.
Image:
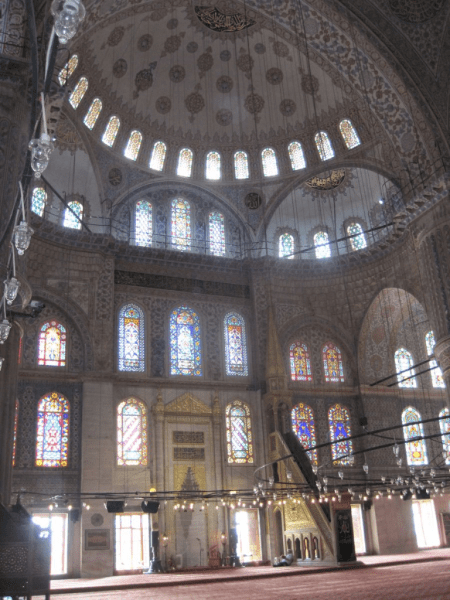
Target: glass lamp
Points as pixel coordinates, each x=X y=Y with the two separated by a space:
x=11 y=289
x=41 y=148
x=5 y=328
x=22 y=236
x=68 y=14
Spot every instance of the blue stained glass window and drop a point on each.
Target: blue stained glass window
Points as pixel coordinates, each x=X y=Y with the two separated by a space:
x=403 y=363
x=322 y=245
x=143 y=223
x=217 y=234
x=185 y=343
x=340 y=430
x=239 y=433
x=131 y=338
x=416 y=451
x=323 y=144
x=358 y=242
x=286 y=245
x=235 y=345
x=38 y=201
x=444 y=425
x=181 y=224
x=436 y=374
x=70 y=215
x=303 y=426
x=300 y=362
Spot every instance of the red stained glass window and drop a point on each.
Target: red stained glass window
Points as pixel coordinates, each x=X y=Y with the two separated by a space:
x=332 y=363
x=52 y=345
x=300 y=362
x=132 y=433
x=52 y=439
x=239 y=433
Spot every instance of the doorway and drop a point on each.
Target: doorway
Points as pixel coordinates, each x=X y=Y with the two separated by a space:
x=248 y=538
x=131 y=543
x=358 y=529
x=57 y=523
x=425 y=524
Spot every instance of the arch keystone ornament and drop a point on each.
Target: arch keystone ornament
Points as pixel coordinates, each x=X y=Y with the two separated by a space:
x=188 y=404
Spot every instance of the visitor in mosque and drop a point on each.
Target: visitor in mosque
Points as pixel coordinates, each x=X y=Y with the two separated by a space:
x=285 y=560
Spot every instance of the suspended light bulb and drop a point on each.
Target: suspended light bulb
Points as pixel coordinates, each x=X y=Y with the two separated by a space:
x=315 y=468
x=255 y=489
x=41 y=148
x=367 y=492
x=289 y=475
x=325 y=489
x=22 y=237
x=271 y=480
x=274 y=496
x=11 y=289
x=396 y=449
x=5 y=328
x=68 y=14
x=325 y=479
x=383 y=480
x=432 y=472
x=365 y=468
x=319 y=485
x=341 y=474
x=260 y=484
x=1 y=363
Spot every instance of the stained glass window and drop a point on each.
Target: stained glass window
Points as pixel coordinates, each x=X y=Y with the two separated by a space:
x=78 y=92
x=70 y=219
x=416 y=451
x=143 y=223
x=304 y=428
x=181 y=224
x=158 y=156
x=52 y=439
x=93 y=113
x=67 y=71
x=184 y=168
x=322 y=245
x=52 y=345
x=38 y=201
x=134 y=145
x=16 y=425
x=241 y=165
x=131 y=338
x=340 y=430
x=109 y=136
x=269 y=162
x=235 y=345
x=300 y=362
x=213 y=165
x=436 y=374
x=332 y=363
x=239 y=433
x=185 y=343
x=132 y=433
x=349 y=134
x=403 y=363
x=286 y=245
x=323 y=144
x=217 y=234
x=359 y=241
x=444 y=425
x=296 y=155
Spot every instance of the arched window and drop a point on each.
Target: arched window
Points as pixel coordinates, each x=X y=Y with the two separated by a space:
x=340 y=430
x=332 y=363
x=300 y=362
x=184 y=168
x=185 y=342
x=269 y=162
x=323 y=144
x=133 y=145
x=52 y=345
x=444 y=425
x=67 y=71
x=158 y=156
x=358 y=241
x=132 y=433
x=286 y=245
x=322 y=245
x=235 y=345
x=16 y=426
x=241 y=165
x=90 y=118
x=143 y=223
x=78 y=92
x=403 y=363
x=181 y=224
x=239 y=433
x=213 y=165
x=416 y=451
x=38 y=201
x=303 y=426
x=349 y=134
x=52 y=435
x=131 y=338
x=297 y=156
x=436 y=374
x=109 y=136
x=74 y=209
x=217 y=234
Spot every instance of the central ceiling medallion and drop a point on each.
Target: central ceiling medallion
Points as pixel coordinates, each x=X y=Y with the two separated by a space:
x=223 y=20
x=335 y=179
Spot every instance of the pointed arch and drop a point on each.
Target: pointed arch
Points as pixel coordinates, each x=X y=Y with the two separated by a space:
x=241 y=170
x=297 y=156
x=132 y=433
x=302 y=417
x=332 y=363
x=38 y=201
x=213 y=165
x=349 y=134
x=90 y=118
x=143 y=223
x=216 y=233
x=133 y=145
x=181 y=224
x=322 y=244
x=437 y=379
x=403 y=366
x=323 y=145
x=340 y=429
x=286 y=245
x=111 y=131
x=52 y=344
x=184 y=167
x=131 y=338
x=416 y=451
x=79 y=92
x=158 y=156
x=300 y=362
x=269 y=162
x=236 y=360
x=52 y=432
x=73 y=210
x=239 y=433
x=358 y=240
x=185 y=342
